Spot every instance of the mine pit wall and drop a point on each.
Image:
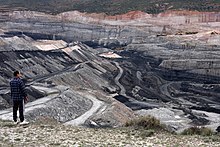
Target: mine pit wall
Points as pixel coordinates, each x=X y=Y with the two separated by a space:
x=35 y=63
x=73 y=32
x=210 y=67
x=85 y=78
x=42 y=26
x=76 y=26
x=154 y=76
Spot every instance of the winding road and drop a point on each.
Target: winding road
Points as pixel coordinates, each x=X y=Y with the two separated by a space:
x=117 y=78
x=96 y=106
x=132 y=103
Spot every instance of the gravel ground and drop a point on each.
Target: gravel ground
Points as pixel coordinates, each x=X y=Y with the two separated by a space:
x=52 y=134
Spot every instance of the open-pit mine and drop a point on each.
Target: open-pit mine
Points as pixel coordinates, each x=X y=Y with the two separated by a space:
x=101 y=71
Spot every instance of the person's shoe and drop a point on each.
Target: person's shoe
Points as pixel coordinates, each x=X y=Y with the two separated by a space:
x=16 y=122
x=24 y=123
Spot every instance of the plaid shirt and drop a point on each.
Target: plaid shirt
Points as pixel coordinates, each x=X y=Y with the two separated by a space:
x=17 y=89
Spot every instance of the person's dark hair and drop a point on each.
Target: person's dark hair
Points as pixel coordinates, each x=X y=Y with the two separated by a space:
x=16 y=73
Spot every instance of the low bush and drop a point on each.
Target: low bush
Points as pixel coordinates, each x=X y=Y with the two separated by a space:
x=204 y=131
x=147 y=133
x=145 y=122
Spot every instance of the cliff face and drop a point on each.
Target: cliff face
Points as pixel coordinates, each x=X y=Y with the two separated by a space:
x=99 y=17
x=173 y=22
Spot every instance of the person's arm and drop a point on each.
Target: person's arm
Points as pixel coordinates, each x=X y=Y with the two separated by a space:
x=25 y=99
x=23 y=91
x=10 y=88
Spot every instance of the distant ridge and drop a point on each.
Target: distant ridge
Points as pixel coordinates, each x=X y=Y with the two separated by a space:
x=111 y=7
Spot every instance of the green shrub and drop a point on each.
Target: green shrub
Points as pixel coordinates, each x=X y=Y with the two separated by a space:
x=145 y=122
x=204 y=131
x=215 y=138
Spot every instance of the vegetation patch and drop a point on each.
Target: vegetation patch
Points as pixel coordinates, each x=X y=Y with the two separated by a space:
x=147 y=133
x=145 y=122
x=204 y=131
x=111 y=7
x=6 y=123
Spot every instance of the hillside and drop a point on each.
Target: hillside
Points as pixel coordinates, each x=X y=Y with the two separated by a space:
x=53 y=134
x=111 y=6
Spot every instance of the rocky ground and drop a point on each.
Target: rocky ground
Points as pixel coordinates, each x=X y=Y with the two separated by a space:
x=49 y=133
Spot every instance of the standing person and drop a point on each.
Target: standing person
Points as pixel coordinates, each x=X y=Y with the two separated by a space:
x=19 y=97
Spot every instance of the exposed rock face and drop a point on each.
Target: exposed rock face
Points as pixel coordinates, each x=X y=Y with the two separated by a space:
x=168 y=63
